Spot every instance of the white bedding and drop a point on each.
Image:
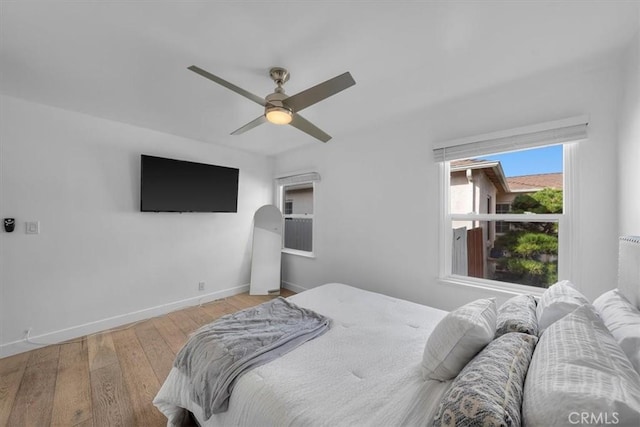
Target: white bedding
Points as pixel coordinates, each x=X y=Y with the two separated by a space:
x=364 y=371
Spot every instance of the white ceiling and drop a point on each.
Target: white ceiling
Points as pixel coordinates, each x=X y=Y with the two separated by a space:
x=127 y=61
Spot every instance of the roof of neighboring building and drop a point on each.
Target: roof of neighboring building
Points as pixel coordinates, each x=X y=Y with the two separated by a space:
x=473 y=163
x=494 y=171
x=535 y=182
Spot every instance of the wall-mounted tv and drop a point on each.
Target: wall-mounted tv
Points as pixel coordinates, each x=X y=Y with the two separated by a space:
x=169 y=185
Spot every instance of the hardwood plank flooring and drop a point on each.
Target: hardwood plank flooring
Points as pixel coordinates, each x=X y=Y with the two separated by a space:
x=172 y=335
x=11 y=371
x=110 y=403
x=101 y=351
x=139 y=379
x=72 y=398
x=34 y=402
x=156 y=349
x=104 y=379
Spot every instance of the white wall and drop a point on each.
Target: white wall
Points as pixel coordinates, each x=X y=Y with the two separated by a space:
x=98 y=258
x=372 y=232
x=629 y=153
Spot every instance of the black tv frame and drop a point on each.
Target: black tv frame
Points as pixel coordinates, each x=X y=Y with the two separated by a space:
x=172 y=185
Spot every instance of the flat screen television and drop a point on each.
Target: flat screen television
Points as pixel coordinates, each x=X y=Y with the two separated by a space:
x=169 y=185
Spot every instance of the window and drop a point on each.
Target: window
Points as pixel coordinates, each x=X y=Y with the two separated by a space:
x=298 y=222
x=296 y=201
x=288 y=207
x=502 y=226
x=503 y=208
x=506 y=206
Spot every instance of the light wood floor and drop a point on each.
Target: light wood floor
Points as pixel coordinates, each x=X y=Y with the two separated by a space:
x=105 y=379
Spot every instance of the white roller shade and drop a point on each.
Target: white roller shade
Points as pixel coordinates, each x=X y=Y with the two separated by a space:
x=549 y=133
x=297 y=179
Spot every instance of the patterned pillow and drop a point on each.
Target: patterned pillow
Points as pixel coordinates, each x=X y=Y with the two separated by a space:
x=518 y=314
x=579 y=370
x=488 y=391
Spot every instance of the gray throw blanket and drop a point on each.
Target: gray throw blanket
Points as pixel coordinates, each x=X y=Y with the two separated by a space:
x=217 y=354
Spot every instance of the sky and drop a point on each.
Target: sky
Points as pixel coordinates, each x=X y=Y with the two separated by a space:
x=530 y=162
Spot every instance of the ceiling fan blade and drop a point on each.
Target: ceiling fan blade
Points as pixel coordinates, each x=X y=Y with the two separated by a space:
x=253 y=123
x=307 y=127
x=317 y=93
x=255 y=98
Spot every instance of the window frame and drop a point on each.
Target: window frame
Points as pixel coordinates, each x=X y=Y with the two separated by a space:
x=281 y=202
x=567 y=229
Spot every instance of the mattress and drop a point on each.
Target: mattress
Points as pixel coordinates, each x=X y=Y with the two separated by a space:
x=364 y=371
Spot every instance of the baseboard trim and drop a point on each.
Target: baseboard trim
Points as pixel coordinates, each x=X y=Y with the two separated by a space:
x=90 y=328
x=293 y=287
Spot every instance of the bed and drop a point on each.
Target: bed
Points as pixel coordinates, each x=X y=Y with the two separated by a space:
x=386 y=361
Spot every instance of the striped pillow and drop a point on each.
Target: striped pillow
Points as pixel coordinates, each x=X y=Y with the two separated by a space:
x=578 y=368
x=623 y=320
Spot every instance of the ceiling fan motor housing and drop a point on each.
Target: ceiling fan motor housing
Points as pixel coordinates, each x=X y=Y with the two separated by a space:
x=276 y=111
x=276 y=99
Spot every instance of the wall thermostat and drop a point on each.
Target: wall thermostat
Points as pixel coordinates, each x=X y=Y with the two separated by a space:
x=9 y=224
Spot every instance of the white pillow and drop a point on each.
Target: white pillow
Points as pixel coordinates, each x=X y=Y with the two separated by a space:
x=458 y=337
x=556 y=302
x=623 y=320
x=578 y=371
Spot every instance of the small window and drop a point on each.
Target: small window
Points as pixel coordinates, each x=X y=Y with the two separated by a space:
x=288 y=207
x=502 y=227
x=503 y=208
x=296 y=198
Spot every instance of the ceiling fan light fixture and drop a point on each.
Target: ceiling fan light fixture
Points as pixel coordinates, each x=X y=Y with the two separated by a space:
x=278 y=115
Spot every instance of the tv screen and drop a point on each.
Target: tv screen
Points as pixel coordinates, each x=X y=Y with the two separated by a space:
x=169 y=185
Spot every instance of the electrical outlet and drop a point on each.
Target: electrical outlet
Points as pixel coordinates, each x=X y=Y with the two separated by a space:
x=201 y=286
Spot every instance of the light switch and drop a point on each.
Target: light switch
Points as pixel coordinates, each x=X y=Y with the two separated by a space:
x=33 y=227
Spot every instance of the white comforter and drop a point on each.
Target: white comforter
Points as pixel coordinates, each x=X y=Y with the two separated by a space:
x=364 y=371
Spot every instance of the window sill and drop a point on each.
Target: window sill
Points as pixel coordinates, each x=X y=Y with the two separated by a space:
x=492 y=285
x=296 y=252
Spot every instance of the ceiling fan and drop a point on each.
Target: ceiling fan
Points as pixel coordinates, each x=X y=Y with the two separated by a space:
x=282 y=109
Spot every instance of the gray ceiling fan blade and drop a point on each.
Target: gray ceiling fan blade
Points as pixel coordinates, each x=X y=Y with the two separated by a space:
x=307 y=127
x=253 y=123
x=317 y=93
x=255 y=98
